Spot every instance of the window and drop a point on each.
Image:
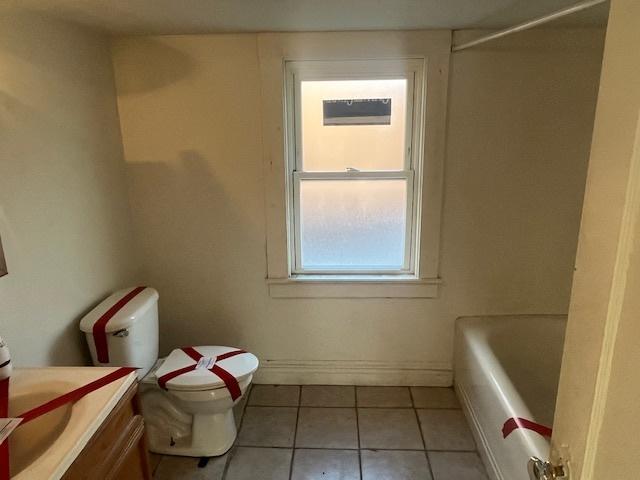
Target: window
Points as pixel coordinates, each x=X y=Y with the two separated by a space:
x=354 y=135
x=328 y=232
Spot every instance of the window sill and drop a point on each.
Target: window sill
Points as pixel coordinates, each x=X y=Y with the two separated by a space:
x=353 y=286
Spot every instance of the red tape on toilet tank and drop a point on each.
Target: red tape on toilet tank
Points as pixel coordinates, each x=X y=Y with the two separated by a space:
x=99 y=328
x=229 y=380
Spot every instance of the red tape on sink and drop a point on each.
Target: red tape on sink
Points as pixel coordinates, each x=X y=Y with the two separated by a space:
x=515 y=423
x=71 y=397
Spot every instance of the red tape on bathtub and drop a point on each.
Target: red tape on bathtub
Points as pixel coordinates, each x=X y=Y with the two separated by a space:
x=99 y=328
x=515 y=423
x=71 y=397
x=229 y=380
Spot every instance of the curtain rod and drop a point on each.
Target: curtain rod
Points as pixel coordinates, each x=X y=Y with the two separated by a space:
x=529 y=24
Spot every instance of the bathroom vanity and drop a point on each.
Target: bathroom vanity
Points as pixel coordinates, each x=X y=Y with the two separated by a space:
x=102 y=435
x=118 y=449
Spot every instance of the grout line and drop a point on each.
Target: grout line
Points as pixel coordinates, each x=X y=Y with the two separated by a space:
x=355 y=392
x=154 y=470
x=436 y=450
x=348 y=406
x=351 y=406
x=295 y=433
x=232 y=450
x=424 y=444
x=356 y=449
x=227 y=463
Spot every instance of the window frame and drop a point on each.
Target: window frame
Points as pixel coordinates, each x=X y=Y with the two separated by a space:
x=276 y=48
x=413 y=71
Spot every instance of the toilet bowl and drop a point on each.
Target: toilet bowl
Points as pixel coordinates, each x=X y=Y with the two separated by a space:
x=188 y=397
x=193 y=414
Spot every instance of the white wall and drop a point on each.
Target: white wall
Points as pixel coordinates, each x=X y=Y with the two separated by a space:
x=519 y=128
x=64 y=216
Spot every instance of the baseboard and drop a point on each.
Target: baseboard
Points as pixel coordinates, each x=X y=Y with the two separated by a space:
x=353 y=372
x=483 y=446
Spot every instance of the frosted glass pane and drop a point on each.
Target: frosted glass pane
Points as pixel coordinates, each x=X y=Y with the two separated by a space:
x=352 y=224
x=329 y=147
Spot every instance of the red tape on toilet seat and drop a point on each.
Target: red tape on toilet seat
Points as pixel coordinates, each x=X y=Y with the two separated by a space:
x=99 y=328
x=229 y=380
x=515 y=423
x=70 y=397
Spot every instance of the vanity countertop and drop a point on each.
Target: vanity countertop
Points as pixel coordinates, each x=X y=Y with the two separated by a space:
x=70 y=428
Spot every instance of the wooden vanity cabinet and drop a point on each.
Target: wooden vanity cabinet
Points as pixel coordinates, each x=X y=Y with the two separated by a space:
x=118 y=450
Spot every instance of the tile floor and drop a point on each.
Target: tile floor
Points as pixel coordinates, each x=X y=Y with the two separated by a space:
x=341 y=433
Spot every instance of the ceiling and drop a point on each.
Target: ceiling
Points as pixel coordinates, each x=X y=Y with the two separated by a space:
x=201 y=16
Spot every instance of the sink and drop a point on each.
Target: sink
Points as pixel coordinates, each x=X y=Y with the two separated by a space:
x=31 y=440
x=44 y=448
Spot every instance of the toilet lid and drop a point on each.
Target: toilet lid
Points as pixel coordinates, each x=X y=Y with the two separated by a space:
x=240 y=366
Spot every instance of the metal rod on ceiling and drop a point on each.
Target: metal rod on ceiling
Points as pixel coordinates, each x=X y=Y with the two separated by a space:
x=578 y=7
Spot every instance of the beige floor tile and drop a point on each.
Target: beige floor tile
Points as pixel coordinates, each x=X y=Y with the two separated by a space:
x=457 y=466
x=186 y=468
x=445 y=430
x=394 y=465
x=325 y=465
x=383 y=397
x=327 y=428
x=328 y=396
x=268 y=427
x=275 y=395
x=389 y=428
x=259 y=463
x=434 y=397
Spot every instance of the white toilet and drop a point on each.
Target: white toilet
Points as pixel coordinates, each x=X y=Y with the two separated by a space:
x=187 y=397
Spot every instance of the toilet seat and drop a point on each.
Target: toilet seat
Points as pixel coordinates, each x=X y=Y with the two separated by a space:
x=240 y=366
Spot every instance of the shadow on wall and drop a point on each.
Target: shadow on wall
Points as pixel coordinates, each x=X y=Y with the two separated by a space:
x=163 y=64
x=194 y=237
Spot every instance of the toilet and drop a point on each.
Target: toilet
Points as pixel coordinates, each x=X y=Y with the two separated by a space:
x=188 y=397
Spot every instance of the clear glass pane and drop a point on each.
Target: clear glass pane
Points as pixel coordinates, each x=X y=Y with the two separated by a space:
x=341 y=131
x=353 y=224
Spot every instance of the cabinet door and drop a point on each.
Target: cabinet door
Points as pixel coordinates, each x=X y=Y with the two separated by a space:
x=118 y=450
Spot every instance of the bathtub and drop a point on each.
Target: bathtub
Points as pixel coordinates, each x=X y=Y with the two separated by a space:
x=508 y=366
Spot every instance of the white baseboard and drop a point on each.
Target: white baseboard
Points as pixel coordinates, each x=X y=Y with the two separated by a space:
x=353 y=372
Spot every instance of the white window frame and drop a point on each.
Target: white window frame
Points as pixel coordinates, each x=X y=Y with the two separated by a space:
x=433 y=47
x=411 y=70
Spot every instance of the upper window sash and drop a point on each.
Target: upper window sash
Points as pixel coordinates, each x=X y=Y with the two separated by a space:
x=296 y=72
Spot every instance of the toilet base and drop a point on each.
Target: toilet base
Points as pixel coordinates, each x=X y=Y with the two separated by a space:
x=212 y=435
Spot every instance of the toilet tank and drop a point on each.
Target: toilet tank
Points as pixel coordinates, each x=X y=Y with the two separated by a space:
x=131 y=328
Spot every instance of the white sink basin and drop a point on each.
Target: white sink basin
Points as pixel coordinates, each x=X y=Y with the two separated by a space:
x=45 y=447
x=31 y=440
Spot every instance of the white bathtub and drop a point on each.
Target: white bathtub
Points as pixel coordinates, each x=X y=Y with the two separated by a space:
x=508 y=366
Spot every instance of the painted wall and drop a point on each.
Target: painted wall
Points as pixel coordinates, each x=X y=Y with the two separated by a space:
x=519 y=129
x=64 y=215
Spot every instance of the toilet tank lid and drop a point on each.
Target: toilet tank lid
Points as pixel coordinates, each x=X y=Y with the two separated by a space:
x=125 y=307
